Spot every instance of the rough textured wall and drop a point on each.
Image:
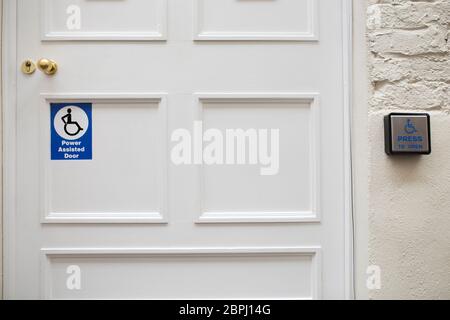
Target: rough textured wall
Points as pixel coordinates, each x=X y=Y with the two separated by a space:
x=409 y=197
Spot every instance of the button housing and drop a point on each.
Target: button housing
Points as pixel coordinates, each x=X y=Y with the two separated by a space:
x=407 y=133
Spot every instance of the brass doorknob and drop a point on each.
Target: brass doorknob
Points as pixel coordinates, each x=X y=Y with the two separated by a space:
x=47 y=66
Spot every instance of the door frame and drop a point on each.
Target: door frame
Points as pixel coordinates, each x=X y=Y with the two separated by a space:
x=9 y=100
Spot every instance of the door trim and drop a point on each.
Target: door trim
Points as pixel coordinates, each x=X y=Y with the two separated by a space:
x=347 y=25
x=9 y=89
x=9 y=98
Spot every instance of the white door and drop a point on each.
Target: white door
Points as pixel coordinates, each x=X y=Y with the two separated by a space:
x=183 y=149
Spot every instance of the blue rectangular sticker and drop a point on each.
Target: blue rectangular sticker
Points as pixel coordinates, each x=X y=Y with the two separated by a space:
x=71 y=131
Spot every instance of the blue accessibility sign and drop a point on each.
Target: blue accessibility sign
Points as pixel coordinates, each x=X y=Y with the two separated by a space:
x=71 y=131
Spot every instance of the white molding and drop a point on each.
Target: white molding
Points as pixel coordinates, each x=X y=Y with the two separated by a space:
x=9 y=101
x=314 y=252
x=258 y=217
x=47 y=216
x=106 y=97
x=159 y=34
x=311 y=35
x=347 y=26
x=104 y=218
x=313 y=216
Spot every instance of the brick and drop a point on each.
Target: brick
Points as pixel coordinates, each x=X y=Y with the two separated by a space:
x=413 y=69
x=430 y=40
x=410 y=96
x=408 y=16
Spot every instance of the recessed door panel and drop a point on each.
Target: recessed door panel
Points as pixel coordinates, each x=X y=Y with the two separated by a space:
x=125 y=179
x=291 y=273
x=276 y=177
x=256 y=20
x=103 y=19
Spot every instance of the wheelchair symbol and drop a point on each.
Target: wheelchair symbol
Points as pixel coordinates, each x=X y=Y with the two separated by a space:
x=71 y=128
x=410 y=128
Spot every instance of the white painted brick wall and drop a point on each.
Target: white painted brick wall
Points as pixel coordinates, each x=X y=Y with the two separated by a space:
x=409 y=197
x=410 y=53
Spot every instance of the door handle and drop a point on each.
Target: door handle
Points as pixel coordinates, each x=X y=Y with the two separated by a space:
x=47 y=66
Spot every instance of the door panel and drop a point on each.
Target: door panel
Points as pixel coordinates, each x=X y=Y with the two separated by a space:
x=232 y=193
x=64 y=20
x=126 y=181
x=256 y=20
x=291 y=273
x=260 y=230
